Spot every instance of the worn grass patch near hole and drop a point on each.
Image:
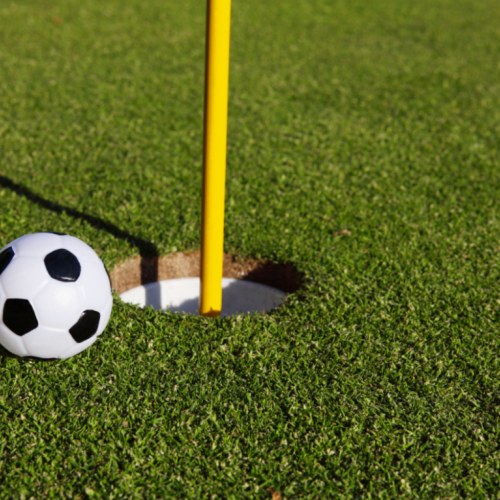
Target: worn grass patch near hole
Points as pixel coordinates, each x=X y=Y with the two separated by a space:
x=142 y=270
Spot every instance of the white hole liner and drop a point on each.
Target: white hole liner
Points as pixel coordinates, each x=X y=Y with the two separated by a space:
x=182 y=295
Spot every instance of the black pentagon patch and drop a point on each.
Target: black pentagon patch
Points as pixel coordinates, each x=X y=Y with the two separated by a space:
x=62 y=265
x=59 y=234
x=18 y=316
x=86 y=326
x=5 y=257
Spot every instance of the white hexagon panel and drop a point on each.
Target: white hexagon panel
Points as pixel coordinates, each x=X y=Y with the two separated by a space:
x=55 y=296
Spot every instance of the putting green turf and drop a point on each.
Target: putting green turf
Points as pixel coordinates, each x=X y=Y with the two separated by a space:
x=363 y=148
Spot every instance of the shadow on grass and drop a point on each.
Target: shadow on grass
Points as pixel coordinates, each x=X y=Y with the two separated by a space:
x=147 y=251
x=4 y=353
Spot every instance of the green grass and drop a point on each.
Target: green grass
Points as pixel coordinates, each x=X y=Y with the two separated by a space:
x=381 y=377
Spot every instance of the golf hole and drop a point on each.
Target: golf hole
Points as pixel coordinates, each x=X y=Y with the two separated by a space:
x=172 y=283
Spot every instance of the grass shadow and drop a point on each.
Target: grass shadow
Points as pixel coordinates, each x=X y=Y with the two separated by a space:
x=147 y=250
x=4 y=353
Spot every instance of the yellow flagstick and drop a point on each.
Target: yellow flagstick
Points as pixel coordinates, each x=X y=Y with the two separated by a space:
x=214 y=155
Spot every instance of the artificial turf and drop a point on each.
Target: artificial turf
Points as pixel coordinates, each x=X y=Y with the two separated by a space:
x=363 y=148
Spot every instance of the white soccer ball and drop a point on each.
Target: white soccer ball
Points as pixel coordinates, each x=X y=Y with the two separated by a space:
x=55 y=296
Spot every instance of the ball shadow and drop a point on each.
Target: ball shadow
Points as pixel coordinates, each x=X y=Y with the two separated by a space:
x=4 y=353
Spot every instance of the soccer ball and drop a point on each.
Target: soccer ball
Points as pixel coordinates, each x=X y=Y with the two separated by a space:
x=55 y=296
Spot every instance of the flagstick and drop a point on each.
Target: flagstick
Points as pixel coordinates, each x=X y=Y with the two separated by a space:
x=214 y=155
